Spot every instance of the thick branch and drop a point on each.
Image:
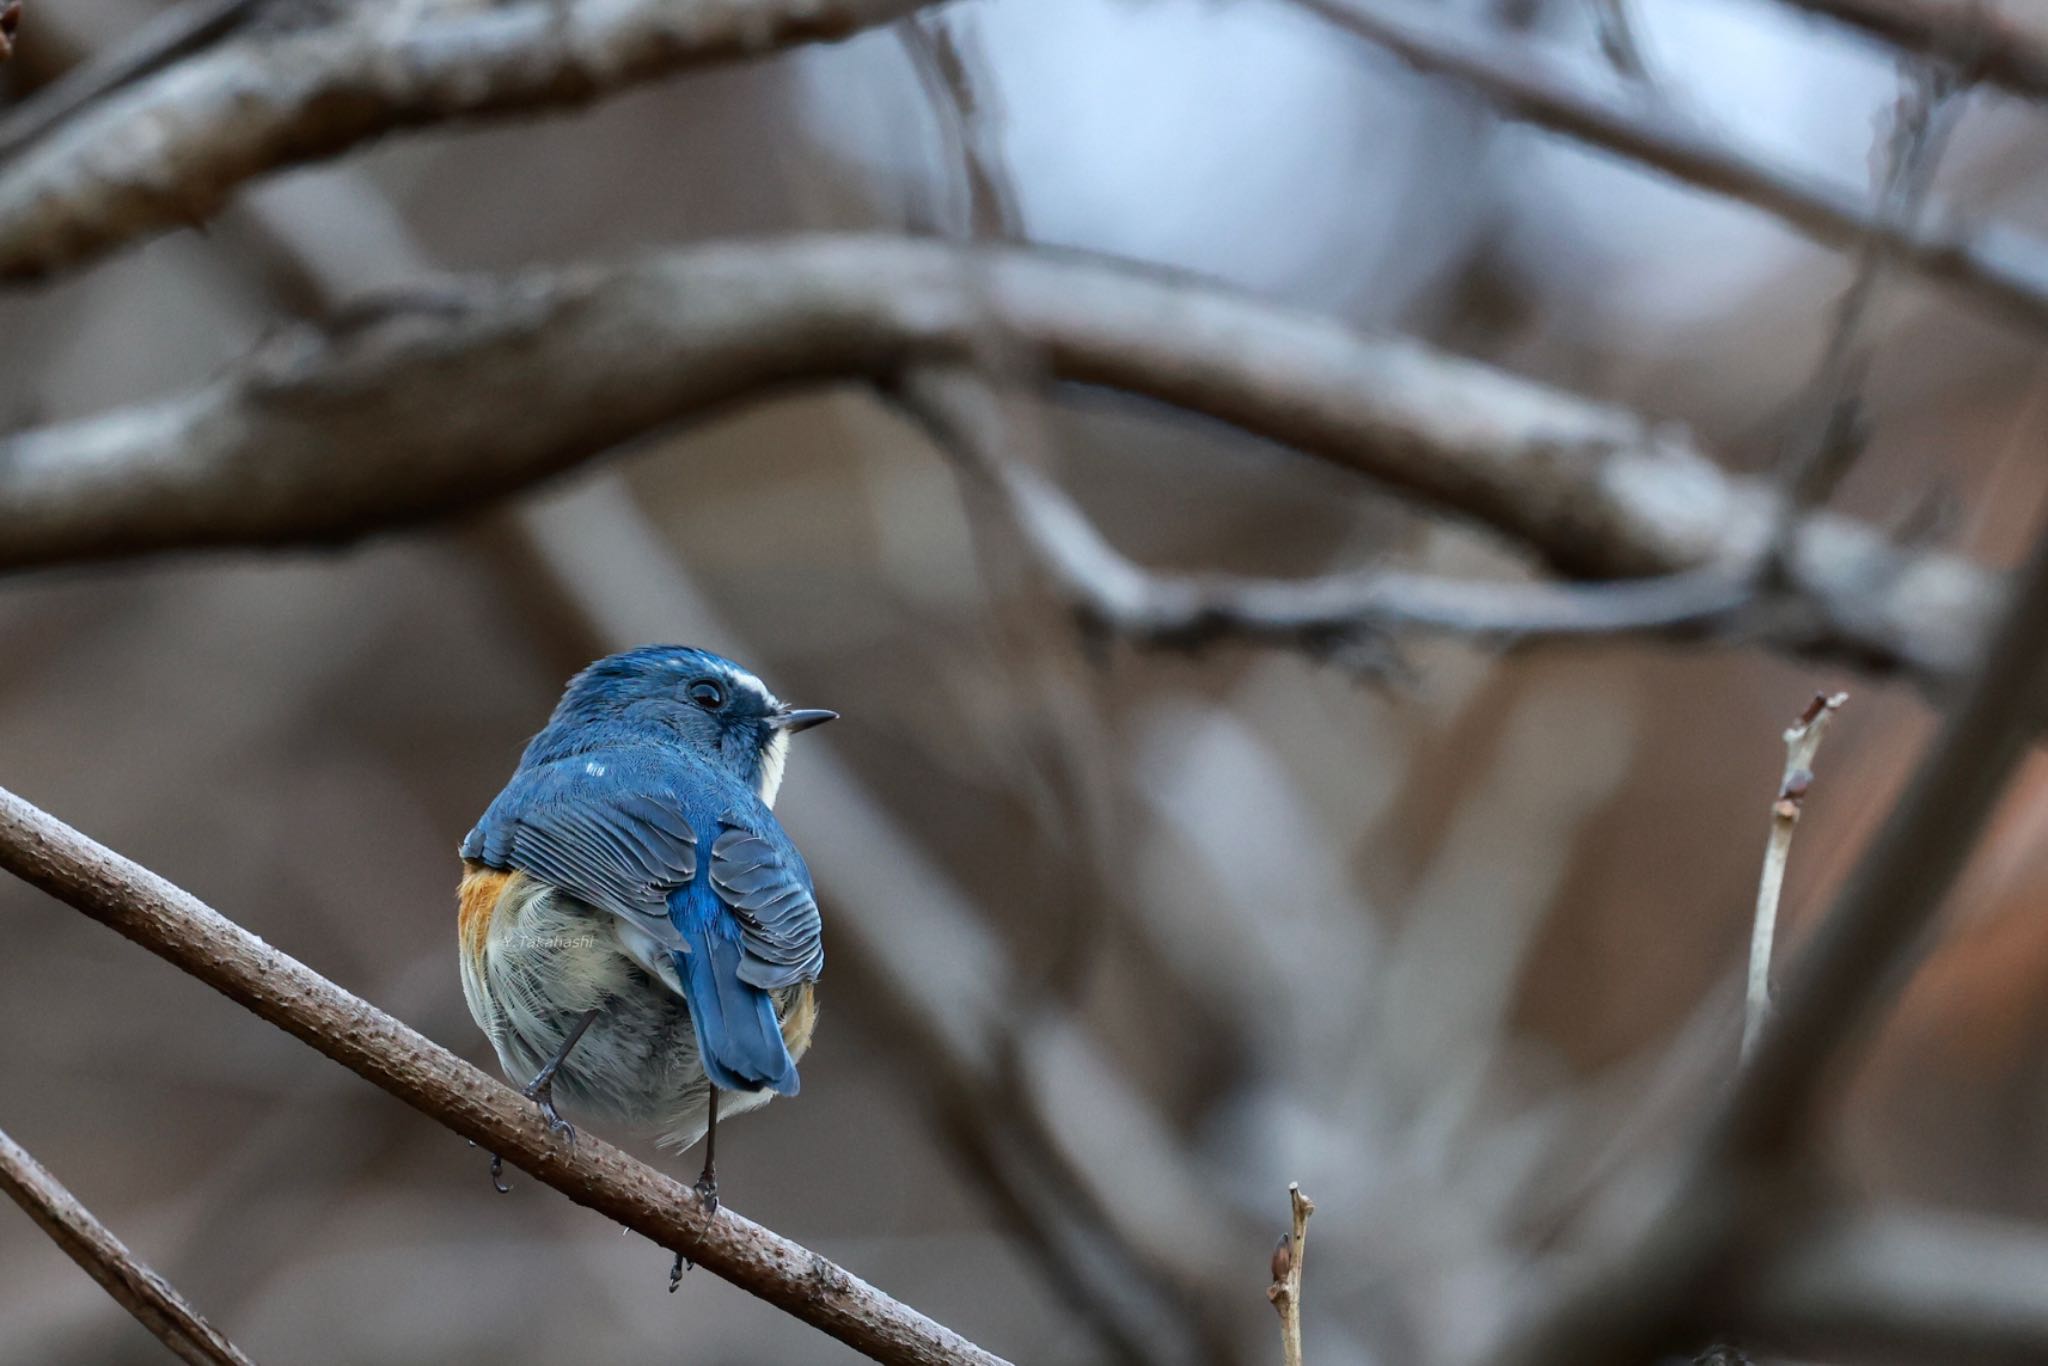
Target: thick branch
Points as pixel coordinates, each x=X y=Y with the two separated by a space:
x=133 y=1285
x=433 y=405
x=179 y=928
x=1995 y=266
x=170 y=149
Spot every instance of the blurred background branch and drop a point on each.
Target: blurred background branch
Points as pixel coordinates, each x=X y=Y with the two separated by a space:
x=85 y=1240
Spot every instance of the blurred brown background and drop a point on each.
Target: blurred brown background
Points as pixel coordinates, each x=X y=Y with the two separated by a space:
x=1514 y=877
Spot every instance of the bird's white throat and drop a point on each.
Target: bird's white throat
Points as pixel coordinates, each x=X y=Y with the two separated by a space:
x=772 y=759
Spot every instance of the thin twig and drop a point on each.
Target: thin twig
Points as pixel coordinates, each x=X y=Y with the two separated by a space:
x=1802 y=744
x=1991 y=38
x=179 y=928
x=1615 y=22
x=1289 y=1259
x=1353 y=620
x=1993 y=265
x=133 y=1285
x=170 y=34
x=1822 y=449
x=1144 y=1313
x=1625 y=1306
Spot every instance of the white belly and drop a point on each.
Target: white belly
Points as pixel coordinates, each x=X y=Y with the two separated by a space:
x=547 y=959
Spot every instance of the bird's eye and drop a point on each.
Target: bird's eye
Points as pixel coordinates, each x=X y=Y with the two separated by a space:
x=707 y=694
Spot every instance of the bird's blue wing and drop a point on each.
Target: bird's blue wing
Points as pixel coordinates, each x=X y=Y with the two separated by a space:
x=609 y=831
x=755 y=931
x=762 y=880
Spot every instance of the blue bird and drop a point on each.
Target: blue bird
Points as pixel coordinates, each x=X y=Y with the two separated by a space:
x=638 y=934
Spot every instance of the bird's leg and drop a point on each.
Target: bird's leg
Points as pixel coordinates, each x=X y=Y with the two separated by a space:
x=707 y=1180
x=541 y=1090
x=707 y=1183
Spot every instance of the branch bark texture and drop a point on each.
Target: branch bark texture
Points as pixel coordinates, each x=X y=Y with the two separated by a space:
x=424 y=406
x=170 y=149
x=133 y=1285
x=176 y=926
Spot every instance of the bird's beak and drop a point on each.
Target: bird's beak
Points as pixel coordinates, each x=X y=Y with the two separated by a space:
x=793 y=719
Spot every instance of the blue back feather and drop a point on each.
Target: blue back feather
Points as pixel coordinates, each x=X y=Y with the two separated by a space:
x=610 y=812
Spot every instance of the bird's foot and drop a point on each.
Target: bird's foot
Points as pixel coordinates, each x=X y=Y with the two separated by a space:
x=675 y=1273
x=707 y=1193
x=497 y=1172
x=541 y=1092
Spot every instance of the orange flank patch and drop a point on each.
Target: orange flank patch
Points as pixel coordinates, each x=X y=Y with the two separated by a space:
x=477 y=902
x=799 y=1018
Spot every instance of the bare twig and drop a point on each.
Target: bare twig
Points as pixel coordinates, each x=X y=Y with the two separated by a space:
x=1615 y=22
x=1802 y=744
x=418 y=410
x=1994 y=266
x=1288 y=1260
x=1988 y=36
x=1349 y=619
x=133 y=1285
x=1631 y=1303
x=171 y=34
x=1823 y=448
x=1147 y=1310
x=179 y=928
x=171 y=148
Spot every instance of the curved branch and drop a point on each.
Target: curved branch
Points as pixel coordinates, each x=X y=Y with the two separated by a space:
x=424 y=406
x=170 y=149
x=133 y=1285
x=1339 y=617
x=176 y=926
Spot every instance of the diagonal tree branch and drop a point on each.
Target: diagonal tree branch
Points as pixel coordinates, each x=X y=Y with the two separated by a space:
x=171 y=148
x=176 y=926
x=1987 y=263
x=133 y=1285
x=424 y=406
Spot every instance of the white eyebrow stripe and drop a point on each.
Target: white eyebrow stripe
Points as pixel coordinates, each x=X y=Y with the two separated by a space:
x=755 y=685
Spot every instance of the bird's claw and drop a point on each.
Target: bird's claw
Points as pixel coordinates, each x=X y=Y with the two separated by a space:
x=675 y=1273
x=707 y=1194
x=543 y=1096
x=497 y=1171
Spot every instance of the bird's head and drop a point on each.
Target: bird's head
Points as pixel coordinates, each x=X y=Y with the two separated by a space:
x=703 y=701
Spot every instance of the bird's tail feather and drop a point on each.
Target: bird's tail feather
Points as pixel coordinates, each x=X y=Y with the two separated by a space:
x=738 y=1035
